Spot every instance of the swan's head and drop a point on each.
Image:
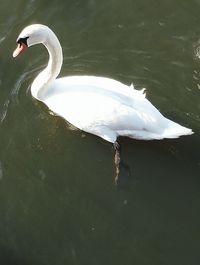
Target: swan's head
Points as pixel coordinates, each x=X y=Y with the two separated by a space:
x=31 y=35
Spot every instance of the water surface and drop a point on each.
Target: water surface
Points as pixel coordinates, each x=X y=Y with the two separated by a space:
x=58 y=203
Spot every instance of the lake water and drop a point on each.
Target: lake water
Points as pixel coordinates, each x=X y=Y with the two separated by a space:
x=58 y=201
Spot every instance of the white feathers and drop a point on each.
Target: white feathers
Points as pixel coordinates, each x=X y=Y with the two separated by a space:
x=98 y=105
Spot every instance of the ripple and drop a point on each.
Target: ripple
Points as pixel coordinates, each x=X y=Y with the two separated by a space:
x=20 y=81
x=197 y=52
x=42 y=174
x=4 y=110
x=196 y=48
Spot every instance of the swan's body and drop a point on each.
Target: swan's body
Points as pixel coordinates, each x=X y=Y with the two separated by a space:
x=108 y=108
x=97 y=105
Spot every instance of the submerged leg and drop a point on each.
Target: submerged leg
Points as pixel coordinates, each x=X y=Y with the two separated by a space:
x=117 y=160
x=119 y=164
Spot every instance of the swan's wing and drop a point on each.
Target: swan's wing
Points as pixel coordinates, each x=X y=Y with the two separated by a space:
x=107 y=111
x=103 y=115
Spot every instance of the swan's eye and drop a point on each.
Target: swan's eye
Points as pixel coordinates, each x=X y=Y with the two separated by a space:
x=22 y=41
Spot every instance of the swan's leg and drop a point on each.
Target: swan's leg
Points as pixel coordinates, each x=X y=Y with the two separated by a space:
x=117 y=160
x=119 y=164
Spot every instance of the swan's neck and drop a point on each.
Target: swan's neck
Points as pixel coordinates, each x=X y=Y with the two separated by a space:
x=43 y=81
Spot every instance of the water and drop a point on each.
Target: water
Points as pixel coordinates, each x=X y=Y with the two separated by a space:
x=58 y=204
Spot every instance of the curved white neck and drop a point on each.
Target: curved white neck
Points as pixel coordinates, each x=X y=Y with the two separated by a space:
x=42 y=82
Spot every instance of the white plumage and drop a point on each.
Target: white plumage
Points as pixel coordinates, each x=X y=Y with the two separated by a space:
x=97 y=105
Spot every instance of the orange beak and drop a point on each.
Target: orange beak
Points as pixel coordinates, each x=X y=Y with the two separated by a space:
x=20 y=48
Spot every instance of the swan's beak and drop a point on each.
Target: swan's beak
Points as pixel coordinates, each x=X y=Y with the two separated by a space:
x=20 y=48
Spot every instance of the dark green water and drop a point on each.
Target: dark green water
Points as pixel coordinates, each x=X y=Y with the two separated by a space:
x=58 y=204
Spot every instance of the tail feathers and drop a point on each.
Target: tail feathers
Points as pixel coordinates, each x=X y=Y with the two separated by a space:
x=174 y=130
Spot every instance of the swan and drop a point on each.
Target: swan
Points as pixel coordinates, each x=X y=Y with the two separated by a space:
x=97 y=105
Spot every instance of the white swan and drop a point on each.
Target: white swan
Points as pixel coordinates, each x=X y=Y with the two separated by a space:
x=97 y=105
